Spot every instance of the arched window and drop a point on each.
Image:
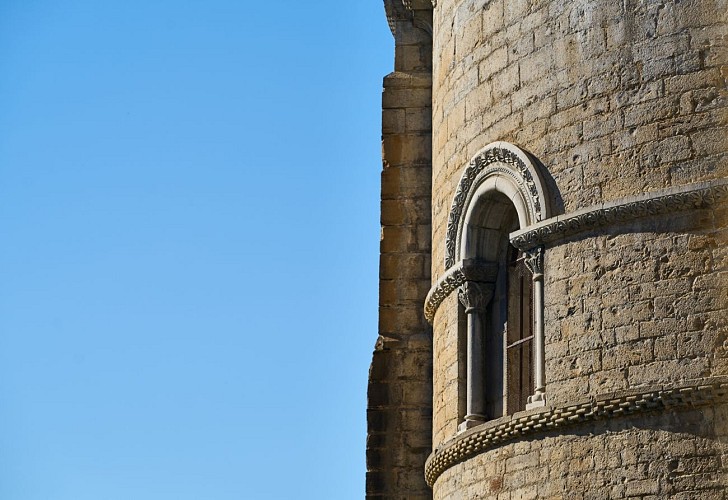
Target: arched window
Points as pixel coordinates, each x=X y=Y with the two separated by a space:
x=502 y=302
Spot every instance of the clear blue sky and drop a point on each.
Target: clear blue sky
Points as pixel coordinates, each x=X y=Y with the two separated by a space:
x=189 y=225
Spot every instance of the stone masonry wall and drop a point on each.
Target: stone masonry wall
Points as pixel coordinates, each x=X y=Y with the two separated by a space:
x=643 y=306
x=615 y=99
x=450 y=371
x=647 y=305
x=399 y=411
x=659 y=456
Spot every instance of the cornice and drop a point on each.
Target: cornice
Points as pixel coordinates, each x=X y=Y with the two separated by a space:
x=530 y=423
x=466 y=270
x=419 y=12
x=659 y=202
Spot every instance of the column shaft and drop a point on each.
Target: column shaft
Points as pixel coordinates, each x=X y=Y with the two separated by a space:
x=476 y=377
x=538 y=345
x=534 y=261
x=475 y=297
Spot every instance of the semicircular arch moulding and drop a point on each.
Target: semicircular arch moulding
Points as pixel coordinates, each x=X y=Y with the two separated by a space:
x=501 y=167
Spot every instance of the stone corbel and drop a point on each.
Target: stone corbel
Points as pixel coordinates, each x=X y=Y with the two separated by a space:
x=419 y=12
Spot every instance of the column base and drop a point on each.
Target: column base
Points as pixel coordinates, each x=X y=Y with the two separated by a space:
x=536 y=401
x=470 y=422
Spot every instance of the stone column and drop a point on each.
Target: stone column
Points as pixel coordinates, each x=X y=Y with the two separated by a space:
x=475 y=297
x=534 y=261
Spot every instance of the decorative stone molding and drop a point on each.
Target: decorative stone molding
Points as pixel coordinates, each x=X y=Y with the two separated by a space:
x=528 y=423
x=660 y=202
x=466 y=270
x=417 y=11
x=499 y=159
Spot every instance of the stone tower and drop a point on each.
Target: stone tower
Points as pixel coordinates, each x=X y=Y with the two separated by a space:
x=554 y=253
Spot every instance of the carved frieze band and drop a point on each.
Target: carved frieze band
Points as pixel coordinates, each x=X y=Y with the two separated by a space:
x=501 y=431
x=676 y=199
x=483 y=163
x=466 y=270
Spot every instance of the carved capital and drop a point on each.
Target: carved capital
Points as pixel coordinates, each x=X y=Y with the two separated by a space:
x=466 y=270
x=534 y=262
x=475 y=296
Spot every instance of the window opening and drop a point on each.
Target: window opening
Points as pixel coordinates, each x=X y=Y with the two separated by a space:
x=519 y=338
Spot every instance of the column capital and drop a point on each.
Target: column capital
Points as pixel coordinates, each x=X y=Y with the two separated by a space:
x=475 y=296
x=534 y=262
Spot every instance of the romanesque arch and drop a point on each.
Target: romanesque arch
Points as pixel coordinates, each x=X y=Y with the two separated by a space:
x=499 y=167
x=499 y=286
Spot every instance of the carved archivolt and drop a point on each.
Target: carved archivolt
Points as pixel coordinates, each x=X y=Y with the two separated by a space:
x=507 y=163
x=672 y=200
x=525 y=424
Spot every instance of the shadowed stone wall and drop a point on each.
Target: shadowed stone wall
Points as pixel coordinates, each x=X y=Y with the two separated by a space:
x=400 y=379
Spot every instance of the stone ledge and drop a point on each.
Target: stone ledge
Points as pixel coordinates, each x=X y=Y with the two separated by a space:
x=613 y=405
x=659 y=202
x=408 y=80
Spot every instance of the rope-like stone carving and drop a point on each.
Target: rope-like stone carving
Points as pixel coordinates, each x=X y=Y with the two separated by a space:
x=467 y=270
x=661 y=202
x=497 y=159
x=503 y=430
